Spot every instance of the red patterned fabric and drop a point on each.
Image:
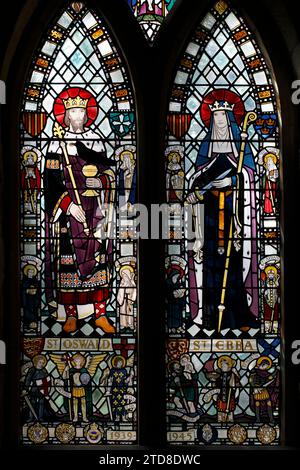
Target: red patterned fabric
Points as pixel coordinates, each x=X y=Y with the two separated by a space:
x=71 y=311
x=100 y=309
x=83 y=298
x=65 y=203
x=222 y=405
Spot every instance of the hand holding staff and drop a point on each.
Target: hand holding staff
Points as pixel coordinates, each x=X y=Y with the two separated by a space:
x=249 y=118
x=59 y=132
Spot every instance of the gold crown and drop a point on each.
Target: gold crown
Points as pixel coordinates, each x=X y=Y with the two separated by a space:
x=270 y=122
x=75 y=103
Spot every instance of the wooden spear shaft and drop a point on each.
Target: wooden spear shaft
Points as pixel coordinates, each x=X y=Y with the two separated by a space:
x=250 y=117
x=59 y=132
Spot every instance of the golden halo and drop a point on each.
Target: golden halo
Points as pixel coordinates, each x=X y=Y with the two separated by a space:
x=271 y=268
x=176 y=154
x=264 y=358
x=28 y=267
x=28 y=154
x=271 y=155
x=126 y=267
x=126 y=152
x=37 y=358
x=227 y=359
x=116 y=359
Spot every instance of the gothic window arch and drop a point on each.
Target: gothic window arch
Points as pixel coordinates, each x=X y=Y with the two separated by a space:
x=223 y=153
x=78 y=264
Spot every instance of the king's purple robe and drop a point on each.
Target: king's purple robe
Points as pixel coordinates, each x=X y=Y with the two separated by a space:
x=77 y=263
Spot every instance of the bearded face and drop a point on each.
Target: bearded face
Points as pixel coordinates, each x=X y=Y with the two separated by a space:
x=75 y=119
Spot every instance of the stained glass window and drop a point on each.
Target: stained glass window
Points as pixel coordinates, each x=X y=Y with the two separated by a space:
x=78 y=280
x=223 y=269
x=150 y=14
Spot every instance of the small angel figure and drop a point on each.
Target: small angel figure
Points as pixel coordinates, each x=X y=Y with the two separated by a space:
x=77 y=373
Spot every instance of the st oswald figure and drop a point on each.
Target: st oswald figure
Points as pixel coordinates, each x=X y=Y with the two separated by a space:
x=78 y=181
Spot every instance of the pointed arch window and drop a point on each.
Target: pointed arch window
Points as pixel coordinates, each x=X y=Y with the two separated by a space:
x=223 y=277
x=78 y=276
x=78 y=324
